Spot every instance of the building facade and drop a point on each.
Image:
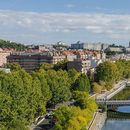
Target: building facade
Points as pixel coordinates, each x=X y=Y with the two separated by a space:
x=3 y=55
x=80 y=65
x=89 y=46
x=30 y=61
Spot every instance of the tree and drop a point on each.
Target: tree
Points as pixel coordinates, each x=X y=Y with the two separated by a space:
x=46 y=66
x=13 y=66
x=92 y=106
x=126 y=66
x=107 y=72
x=121 y=68
x=72 y=118
x=59 y=84
x=97 y=88
x=73 y=76
x=14 y=45
x=43 y=86
x=63 y=115
x=81 y=99
x=21 y=100
x=61 y=65
x=82 y=83
x=108 y=85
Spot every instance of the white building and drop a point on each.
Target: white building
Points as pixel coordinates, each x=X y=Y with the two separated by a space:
x=89 y=46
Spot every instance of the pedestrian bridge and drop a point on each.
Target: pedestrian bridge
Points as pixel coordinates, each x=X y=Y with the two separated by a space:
x=113 y=102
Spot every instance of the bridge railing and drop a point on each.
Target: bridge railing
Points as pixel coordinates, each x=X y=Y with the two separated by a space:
x=113 y=102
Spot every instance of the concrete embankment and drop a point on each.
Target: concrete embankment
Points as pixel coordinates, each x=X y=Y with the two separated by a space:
x=98 y=121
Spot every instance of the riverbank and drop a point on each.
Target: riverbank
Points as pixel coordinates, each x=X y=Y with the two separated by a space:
x=98 y=121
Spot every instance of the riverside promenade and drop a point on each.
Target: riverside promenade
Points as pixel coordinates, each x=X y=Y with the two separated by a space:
x=98 y=121
x=99 y=118
x=116 y=89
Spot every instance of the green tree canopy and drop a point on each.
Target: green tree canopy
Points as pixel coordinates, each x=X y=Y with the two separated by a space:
x=13 y=66
x=82 y=83
x=14 y=45
x=107 y=72
x=21 y=100
x=59 y=84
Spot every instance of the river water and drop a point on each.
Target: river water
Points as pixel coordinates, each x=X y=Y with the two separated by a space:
x=117 y=124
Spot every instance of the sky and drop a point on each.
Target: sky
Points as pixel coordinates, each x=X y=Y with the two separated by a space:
x=50 y=21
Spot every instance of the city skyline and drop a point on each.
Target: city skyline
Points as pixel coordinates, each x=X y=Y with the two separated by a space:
x=68 y=21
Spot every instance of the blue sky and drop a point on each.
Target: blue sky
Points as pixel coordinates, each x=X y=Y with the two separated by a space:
x=48 y=21
x=107 y=6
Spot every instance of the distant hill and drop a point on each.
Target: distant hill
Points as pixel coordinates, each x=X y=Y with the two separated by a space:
x=14 y=45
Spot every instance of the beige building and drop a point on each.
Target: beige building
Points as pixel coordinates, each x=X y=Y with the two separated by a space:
x=3 y=55
x=30 y=61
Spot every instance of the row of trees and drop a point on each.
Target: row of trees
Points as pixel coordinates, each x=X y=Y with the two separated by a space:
x=109 y=72
x=14 y=45
x=24 y=96
x=76 y=117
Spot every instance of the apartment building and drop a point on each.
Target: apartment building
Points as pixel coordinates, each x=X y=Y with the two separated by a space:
x=80 y=65
x=30 y=61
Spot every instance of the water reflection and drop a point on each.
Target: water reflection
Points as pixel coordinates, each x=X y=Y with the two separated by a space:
x=119 y=124
x=124 y=109
x=116 y=125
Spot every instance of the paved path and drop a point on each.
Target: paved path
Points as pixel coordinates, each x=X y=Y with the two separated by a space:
x=98 y=121
x=117 y=87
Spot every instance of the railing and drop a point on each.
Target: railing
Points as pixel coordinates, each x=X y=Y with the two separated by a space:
x=114 y=91
x=114 y=102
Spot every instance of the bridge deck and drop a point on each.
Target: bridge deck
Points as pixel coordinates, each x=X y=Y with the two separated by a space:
x=114 y=102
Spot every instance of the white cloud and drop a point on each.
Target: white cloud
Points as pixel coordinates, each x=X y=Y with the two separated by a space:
x=29 y=23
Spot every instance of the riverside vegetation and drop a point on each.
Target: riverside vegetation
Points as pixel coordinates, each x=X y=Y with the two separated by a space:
x=108 y=73
x=25 y=96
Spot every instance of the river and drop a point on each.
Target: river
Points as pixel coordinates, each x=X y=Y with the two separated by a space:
x=119 y=124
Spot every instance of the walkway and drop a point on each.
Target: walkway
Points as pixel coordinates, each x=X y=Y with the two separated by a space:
x=98 y=121
x=116 y=89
